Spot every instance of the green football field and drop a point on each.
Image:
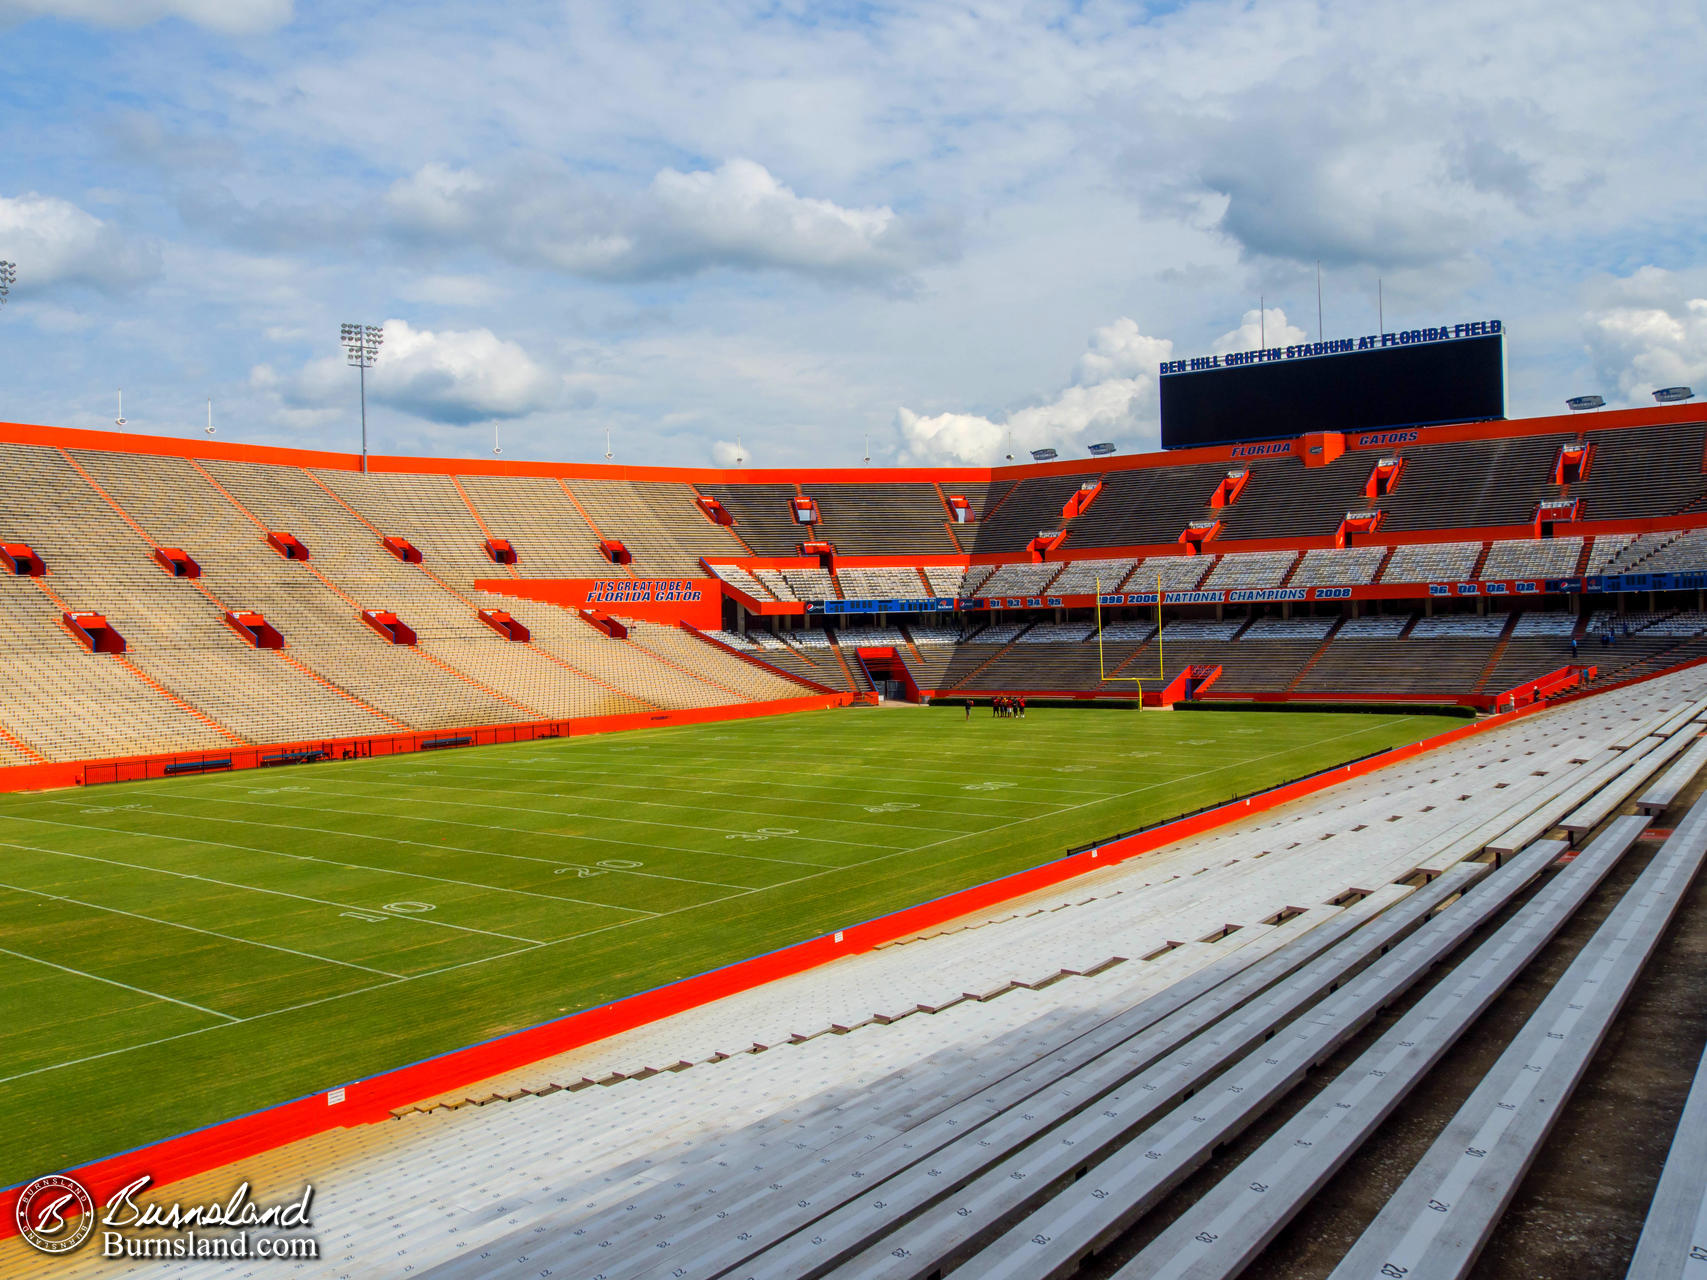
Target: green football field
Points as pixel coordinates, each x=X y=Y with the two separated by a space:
x=174 y=953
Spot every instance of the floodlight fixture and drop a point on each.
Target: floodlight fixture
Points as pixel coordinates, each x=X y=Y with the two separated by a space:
x=1576 y=404
x=1044 y=455
x=1101 y=450
x=361 y=343
x=1674 y=395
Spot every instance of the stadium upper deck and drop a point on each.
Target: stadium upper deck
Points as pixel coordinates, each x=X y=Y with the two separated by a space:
x=175 y=611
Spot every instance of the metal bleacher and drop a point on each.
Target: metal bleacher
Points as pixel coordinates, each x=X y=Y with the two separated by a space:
x=187 y=681
x=1673 y=1243
x=659 y=524
x=1445 y=1211
x=888 y=519
x=1003 y=1094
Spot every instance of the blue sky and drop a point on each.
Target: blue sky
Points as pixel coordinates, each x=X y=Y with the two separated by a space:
x=803 y=226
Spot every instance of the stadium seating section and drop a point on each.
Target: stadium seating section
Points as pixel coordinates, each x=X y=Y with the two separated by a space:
x=1463 y=511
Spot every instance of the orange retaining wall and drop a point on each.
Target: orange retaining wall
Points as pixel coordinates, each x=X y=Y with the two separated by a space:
x=371 y=1100
x=70 y=773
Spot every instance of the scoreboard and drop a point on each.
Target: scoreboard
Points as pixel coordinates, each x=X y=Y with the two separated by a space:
x=1415 y=378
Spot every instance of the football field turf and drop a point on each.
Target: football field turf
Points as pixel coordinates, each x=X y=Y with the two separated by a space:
x=175 y=953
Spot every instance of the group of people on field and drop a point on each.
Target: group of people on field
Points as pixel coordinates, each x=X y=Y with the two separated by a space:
x=1004 y=707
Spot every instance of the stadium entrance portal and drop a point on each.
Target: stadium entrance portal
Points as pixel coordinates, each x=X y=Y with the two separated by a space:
x=888 y=673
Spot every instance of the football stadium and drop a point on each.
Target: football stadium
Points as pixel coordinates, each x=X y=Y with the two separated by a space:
x=1241 y=814
x=628 y=871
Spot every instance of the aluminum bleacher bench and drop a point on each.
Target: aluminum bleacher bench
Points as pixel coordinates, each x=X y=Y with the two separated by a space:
x=614 y=1231
x=1226 y=1230
x=1437 y=1222
x=1597 y=808
x=1005 y=1166
x=434 y=744
x=1663 y=793
x=723 y=1224
x=1129 y=1180
x=1584 y=784
x=1674 y=1237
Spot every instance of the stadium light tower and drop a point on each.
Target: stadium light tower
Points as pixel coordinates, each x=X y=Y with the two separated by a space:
x=8 y=278
x=361 y=348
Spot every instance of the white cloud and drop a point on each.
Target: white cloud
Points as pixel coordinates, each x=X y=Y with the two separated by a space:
x=1259 y=328
x=55 y=242
x=737 y=215
x=233 y=17
x=1649 y=335
x=1114 y=393
x=451 y=377
x=741 y=215
x=728 y=453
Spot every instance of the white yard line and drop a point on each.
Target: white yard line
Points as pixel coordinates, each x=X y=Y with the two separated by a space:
x=114 y=982
x=212 y=933
x=449 y=848
x=647 y=822
x=887 y=788
x=639 y=767
x=579 y=771
x=1202 y=773
x=342 y=995
x=277 y=893
x=329 y=862
x=145 y=1044
x=910 y=767
x=438 y=785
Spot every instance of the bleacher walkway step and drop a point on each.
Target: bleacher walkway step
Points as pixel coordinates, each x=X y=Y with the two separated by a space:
x=1225 y=1231
x=1437 y=1222
x=1112 y=1194
x=1004 y=1166
x=730 y=1219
